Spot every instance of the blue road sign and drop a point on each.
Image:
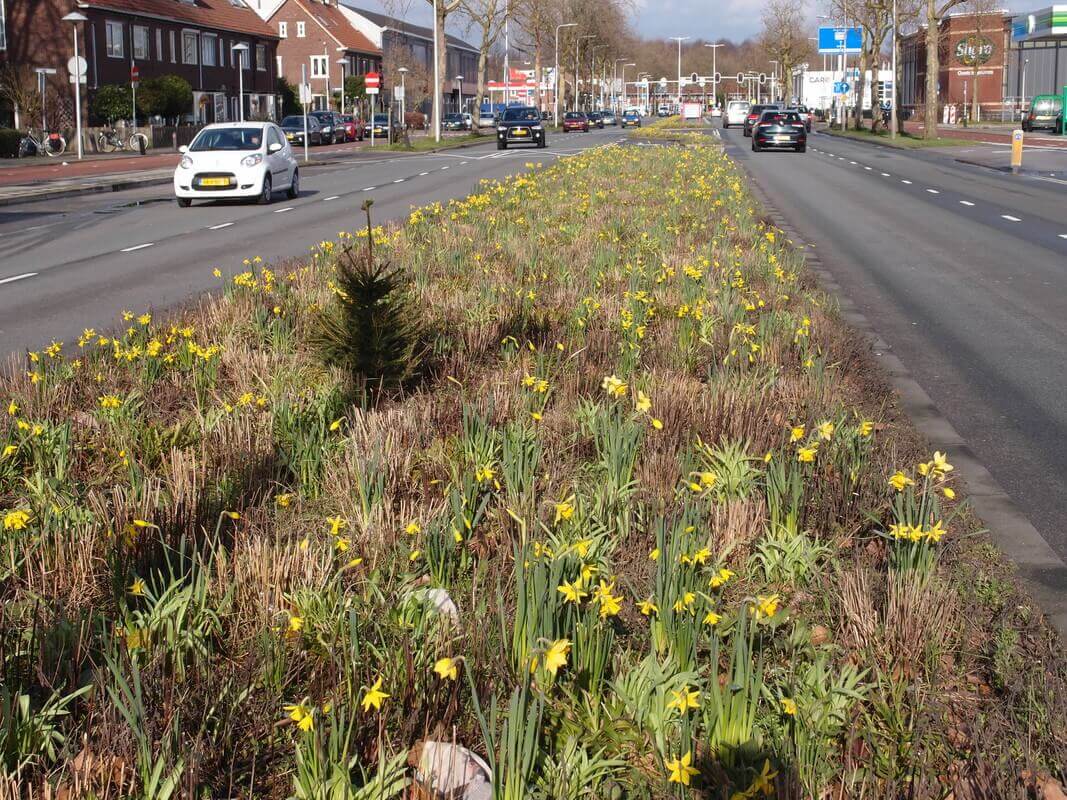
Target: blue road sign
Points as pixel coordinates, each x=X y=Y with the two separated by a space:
x=840 y=40
x=841 y=87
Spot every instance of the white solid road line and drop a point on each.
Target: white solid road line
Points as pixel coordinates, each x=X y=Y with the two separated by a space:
x=220 y=226
x=283 y=210
x=137 y=247
x=966 y=203
x=1010 y=218
x=14 y=278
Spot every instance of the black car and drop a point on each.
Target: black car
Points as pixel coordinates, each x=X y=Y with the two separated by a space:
x=778 y=128
x=333 y=130
x=520 y=125
x=453 y=122
x=754 y=114
x=596 y=119
x=293 y=128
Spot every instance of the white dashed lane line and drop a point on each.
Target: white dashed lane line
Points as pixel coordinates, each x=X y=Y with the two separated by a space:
x=1063 y=235
x=332 y=197
x=220 y=226
x=283 y=210
x=399 y=180
x=14 y=278
x=1010 y=218
x=933 y=191
x=370 y=188
x=423 y=174
x=906 y=181
x=136 y=247
x=966 y=203
x=885 y=174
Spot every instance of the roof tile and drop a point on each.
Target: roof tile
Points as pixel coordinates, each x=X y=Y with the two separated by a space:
x=229 y=15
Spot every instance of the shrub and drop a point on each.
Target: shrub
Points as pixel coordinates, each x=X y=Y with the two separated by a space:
x=168 y=96
x=373 y=330
x=415 y=120
x=112 y=102
x=290 y=99
x=9 y=142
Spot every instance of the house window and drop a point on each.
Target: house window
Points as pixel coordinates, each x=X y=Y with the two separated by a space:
x=159 y=44
x=115 y=36
x=140 y=43
x=3 y=28
x=300 y=30
x=209 y=43
x=278 y=65
x=189 y=47
x=261 y=57
x=283 y=30
x=318 y=66
x=173 y=48
x=243 y=55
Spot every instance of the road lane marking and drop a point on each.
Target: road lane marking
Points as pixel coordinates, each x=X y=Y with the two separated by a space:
x=933 y=191
x=867 y=168
x=137 y=247
x=885 y=174
x=1063 y=235
x=423 y=174
x=370 y=188
x=907 y=182
x=853 y=163
x=449 y=165
x=331 y=197
x=14 y=278
x=283 y=210
x=1010 y=218
x=399 y=180
x=220 y=226
x=966 y=203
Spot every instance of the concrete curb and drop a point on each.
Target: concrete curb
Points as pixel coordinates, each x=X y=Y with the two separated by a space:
x=1042 y=571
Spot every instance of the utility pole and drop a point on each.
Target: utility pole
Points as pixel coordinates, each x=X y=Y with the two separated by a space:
x=679 y=39
x=896 y=88
x=714 y=71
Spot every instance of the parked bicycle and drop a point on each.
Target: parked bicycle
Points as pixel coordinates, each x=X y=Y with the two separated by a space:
x=110 y=141
x=47 y=143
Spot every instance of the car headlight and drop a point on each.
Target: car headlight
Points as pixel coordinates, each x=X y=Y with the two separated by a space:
x=186 y=163
x=252 y=160
x=537 y=128
x=501 y=129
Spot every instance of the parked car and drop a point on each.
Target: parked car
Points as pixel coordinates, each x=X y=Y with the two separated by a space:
x=609 y=118
x=236 y=159
x=778 y=127
x=520 y=125
x=631 y=117
x=664 y=110
x=333 y=130
x=453 y=122
x=1046 y=111
x=468 y=121
x=736 y=111
x=354 y=128
x=575 y=121
x=381 y=125
x=293 y=128
x=754 y=114
x=596 y=120
x=487 y=119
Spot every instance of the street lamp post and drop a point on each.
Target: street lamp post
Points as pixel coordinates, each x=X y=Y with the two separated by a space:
x=1026 y=63
x=74 y=18
x=403 y=100
x=679 y=39
x=577 y=62
x=592 y=77
x=555 y=74
x=896 y=89
x=436 y=80
x=459 y=93
x=714 y=70
x=240 y=48
x=774 y=79
x=342 y=63
x=622 y=106
x=614 y=83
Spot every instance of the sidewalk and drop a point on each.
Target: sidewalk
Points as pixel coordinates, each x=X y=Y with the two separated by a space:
x=979 y=133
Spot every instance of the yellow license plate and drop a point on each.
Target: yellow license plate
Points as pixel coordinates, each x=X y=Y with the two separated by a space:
x=215 y=182
x=289 y=136
x=520 y=131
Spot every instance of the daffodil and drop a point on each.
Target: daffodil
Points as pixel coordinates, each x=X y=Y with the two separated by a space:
x=374 y=696
x=789 y=707
x=796 y=434
x=572 y=592
x=826 y=431
x=296 y=624
x=302 y=715
x=684 y=699
x=16 y=520
x=679 y=769
x=337 y=524
x=412 y=529
x=283 y=500
x=866 y=428
x=648 y=608
x=720 y=578
x=137 y=588
x=949 y=492
x=446 y=668
x=556 y=655
x=899 y=481
x=767 y=606
x=564 y=509
x=806 y=454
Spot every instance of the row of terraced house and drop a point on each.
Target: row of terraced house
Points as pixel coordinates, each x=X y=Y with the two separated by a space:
x=320 y=41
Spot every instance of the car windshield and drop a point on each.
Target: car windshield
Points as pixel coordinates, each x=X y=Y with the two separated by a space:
x=453 y=117
x=1045 y=106
x=630 y=114
x=348 y=118
x=522 y=115
x=227 y=139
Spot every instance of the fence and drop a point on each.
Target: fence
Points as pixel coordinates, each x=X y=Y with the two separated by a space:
x=170 y=137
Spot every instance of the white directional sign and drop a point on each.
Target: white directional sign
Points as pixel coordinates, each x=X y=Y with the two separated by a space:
x=305 y=94
x=77 y=66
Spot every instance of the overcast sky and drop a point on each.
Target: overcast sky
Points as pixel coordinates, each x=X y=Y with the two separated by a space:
x=707 y=19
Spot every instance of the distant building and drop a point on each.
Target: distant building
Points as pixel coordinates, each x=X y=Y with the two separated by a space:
x=815 y=88
x=1038 y=60
x=189 y=38
x=404 y=44
x=313 y=36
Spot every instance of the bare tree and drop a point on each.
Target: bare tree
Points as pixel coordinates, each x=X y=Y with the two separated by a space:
x=935 y=12
x=784 y=35
x=487 y=18
x=984 y=11
x=18 y=85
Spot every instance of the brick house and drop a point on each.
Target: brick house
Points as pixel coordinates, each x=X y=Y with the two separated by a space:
x=189 y=38
x=973 y=50
x=316 y=34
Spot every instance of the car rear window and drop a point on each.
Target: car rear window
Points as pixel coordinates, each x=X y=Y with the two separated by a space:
x=1046 y=106
x=227 y=139
x=781 y=117
x=574 y=115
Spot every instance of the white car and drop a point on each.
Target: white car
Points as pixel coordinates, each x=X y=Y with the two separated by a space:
x=736 y=111
x=716 y=112
x=236 y=159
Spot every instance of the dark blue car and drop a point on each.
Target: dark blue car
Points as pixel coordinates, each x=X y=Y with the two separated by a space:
x=631 y=118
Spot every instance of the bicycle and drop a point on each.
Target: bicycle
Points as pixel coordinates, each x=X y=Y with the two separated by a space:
x=50 y=143
x=110 y=141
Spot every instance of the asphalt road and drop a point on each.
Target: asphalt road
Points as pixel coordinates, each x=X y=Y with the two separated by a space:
x=72 y=263
x=963 y=271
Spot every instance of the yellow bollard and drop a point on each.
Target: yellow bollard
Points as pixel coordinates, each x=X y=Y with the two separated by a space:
x=1016 y=151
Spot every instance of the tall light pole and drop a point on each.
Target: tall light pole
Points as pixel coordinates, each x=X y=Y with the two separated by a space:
x=679 y=39
x=774 y=78
x=714 y=69
x=342 y=63
x=555 y=74
x=459 y=93
x=577 y=62
x=74 y=18
x=240 y=48
x=436 y=80
x=1026 y=63
x=893 y=99
x=621 y=107
x=592 y=77
x=615 y=82
x=403 y=100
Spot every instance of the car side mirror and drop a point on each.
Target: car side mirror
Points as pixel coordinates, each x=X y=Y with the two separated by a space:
x=183 y=149
x=274 y=147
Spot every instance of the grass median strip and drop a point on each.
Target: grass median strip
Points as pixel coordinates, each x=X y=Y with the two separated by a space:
x=580 y=472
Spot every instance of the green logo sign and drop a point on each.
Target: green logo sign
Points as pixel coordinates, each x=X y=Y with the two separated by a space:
x=974 y=50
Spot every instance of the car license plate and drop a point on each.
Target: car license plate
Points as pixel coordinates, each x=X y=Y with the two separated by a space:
x=214 y=181
x=289 y=136
x=520 y=131
x=781 y=138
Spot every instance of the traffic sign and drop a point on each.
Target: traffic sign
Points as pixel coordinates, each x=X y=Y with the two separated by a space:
x=841 y=87
x=135 y=74
x=372 y=81
x=77 y=66
x=305 y=94
x=663 y=83
x=840 y=40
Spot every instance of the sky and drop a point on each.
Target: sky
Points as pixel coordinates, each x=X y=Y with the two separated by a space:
x=659 y=19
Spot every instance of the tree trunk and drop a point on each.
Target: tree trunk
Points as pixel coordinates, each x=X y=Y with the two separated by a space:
x=861 y=83
x=442 y=61
x=933 y=68
x=537 y=73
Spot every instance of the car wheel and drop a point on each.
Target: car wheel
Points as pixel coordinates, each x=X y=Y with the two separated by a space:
x=802 y=148
x=501 y=145
x=267 y=193
x=294 y=186
x=755 y=147
x=183 y=202
x=542 y=143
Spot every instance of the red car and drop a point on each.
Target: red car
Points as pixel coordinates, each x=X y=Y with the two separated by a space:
x=575 y=121
x=354 y=128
